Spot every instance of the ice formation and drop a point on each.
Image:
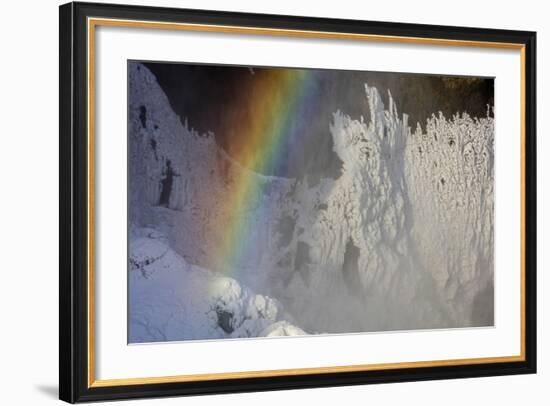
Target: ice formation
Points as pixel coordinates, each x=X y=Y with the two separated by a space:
x=403 y=239
x=173 y=300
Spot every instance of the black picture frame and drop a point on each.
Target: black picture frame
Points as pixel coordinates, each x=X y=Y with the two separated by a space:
x=74 y=382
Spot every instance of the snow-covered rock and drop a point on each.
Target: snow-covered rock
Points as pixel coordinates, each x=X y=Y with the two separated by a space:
x=173 y=300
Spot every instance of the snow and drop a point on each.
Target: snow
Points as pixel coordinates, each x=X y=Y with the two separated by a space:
x=173 y=300
x=403 y=239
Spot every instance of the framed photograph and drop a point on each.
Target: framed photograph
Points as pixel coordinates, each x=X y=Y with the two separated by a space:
x=257 y=202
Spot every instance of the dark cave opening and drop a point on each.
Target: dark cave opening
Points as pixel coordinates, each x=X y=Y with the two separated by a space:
x=143 y=116
x=166 y=184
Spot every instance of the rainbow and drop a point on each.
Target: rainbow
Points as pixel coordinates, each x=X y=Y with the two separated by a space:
x=274 y=106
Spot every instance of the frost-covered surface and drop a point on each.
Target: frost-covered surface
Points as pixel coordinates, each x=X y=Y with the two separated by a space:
x=173 y=300
x=403 y=239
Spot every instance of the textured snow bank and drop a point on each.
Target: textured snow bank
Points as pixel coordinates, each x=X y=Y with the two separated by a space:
x=173 y=300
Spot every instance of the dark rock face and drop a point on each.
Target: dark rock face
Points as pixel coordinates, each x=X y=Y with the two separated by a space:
x=225 y=320
x=166 y=184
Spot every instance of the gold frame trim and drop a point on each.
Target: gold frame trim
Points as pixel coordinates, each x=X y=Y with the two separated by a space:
x=92 y=23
